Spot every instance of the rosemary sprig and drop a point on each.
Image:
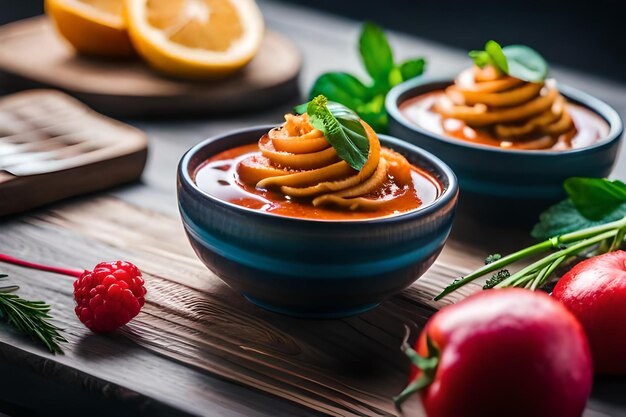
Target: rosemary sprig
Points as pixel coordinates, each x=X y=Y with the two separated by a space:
x=29 y=317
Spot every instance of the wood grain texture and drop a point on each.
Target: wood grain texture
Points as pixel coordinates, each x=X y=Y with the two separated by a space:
x=349 y=367
x=129 y=379
x=53 y=147
x=32 y=54
x=338 y=367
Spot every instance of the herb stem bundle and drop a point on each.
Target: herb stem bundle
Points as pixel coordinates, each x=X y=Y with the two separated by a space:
x=30 y=318
x=535 y=274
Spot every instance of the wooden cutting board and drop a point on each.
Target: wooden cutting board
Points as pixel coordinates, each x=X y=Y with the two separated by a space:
x=53 y=147
x=32 y=54
x=349 y=367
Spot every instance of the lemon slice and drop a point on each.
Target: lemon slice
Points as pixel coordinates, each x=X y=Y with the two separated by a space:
x=195 y=38
x=93 y=27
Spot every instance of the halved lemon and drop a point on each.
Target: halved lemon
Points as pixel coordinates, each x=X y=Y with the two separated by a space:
x=195 y=38
x=93 y=27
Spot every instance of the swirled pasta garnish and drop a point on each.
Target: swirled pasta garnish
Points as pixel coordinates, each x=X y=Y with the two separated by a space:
x=509 y=108
x=505 y=101
x=297 y=161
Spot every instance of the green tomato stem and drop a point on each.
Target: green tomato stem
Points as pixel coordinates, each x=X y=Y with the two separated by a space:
x=427 y=366
x=419 y=384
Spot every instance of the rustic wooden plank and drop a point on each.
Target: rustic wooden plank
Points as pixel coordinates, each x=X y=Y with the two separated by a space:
x=194 y=318
x=348 y=367
x=107 y=367
x=93 y=364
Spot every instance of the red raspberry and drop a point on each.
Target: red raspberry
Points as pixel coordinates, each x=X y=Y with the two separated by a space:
x=109 y=296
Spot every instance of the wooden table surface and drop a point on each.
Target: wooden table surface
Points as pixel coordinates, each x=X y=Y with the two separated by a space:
x=120 y=378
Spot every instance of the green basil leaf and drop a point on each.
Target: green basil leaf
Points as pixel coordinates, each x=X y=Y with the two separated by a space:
x=300 y=108
x=377 y=57
x=342 y=88
x=595 y=198
x=481 y=58
x=374 y=113
x=525 y=63
x=412 y=68
x=375 y=52
x=563 y=218
x=494 y=50
x=395 y=78
x=518 y=61
x=377 y=120
x=342 y=129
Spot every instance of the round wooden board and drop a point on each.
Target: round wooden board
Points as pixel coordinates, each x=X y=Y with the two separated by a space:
x=32 y=54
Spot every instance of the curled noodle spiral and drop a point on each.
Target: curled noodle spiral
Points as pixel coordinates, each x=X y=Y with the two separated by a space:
x=297 y=160
x=512 y=109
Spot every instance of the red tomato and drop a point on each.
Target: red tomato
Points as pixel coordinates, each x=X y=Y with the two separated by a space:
x=595 y=292
x=508 y=352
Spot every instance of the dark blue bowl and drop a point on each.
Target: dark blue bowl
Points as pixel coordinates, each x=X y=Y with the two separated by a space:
x=491 y=172
x=313 y=268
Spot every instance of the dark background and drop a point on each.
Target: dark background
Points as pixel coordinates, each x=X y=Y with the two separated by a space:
x=589 y=36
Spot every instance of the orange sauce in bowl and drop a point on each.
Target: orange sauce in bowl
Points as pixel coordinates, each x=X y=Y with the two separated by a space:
x=219 y=177
x=589 y=128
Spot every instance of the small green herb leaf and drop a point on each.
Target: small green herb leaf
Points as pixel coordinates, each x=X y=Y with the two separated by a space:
x=375 y=52
x=518 y=61
x=395 y=77
x=525 y=63
x=492 y=258
x=496 y=278
x=496 y=54
x=373 y=113
x=342 y=88
x=300 y=108
x=366 y=98
x=342 y=128
x=346 y=89
x=412 y=68
x=481 y=58
x=595 y=198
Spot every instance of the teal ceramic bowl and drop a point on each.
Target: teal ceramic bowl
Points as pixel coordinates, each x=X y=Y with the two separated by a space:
x=313 y=268
x=487 y=173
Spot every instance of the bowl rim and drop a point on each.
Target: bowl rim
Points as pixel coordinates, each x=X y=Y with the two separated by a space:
x=449 y=193
x=602 y=109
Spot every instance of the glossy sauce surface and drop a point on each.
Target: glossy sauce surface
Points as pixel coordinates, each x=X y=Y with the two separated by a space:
x=589 y=128
x=219 y=178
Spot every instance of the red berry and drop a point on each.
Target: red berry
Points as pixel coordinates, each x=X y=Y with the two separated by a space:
x=109 y=296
